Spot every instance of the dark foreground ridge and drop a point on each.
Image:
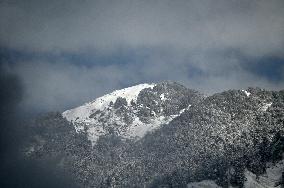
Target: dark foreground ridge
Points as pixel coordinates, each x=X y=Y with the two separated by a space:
x=227 y=139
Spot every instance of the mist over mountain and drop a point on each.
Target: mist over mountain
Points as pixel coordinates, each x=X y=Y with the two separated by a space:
x=233 y=138
x=16 y=170
x=86 y=101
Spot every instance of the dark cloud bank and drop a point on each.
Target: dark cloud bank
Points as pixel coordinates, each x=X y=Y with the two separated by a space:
x=55 y=55
x=69 y=52
x=15 y=170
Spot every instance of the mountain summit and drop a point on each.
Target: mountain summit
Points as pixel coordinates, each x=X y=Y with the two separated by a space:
x=133 y=111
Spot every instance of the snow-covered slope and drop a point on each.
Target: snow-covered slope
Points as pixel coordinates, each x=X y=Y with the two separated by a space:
x=81 y=114
x=203 y=184
x=130 y=112
x=271 y=178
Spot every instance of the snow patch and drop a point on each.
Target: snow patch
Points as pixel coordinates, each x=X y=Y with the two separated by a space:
x=162 y=97
x=265 y=106
x=139 y=129
x=272 y=177
x=203 y=184
x=246 y=92
x=184 y=109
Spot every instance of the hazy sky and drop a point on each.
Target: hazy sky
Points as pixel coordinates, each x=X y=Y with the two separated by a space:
x=67 y=52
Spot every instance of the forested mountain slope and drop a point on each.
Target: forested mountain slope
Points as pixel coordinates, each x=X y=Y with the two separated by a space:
x=165 y=135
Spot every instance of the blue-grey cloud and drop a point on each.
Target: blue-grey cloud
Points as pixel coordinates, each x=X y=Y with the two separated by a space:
x=60 y=85
x=69 y=52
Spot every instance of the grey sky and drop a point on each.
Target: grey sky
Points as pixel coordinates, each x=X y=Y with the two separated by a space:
x=201 y=43
x=256 y=27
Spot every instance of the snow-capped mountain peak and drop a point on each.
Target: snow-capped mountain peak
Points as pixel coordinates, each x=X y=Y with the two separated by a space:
x=131 y=112
x=80 y=114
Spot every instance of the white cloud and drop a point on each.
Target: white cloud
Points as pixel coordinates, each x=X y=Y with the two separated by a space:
x=62 y=85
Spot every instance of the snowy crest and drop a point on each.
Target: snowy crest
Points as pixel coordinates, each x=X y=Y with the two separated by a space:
x=130 y=112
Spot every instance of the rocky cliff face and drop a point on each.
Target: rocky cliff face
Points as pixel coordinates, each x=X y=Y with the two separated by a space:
x=165 y=135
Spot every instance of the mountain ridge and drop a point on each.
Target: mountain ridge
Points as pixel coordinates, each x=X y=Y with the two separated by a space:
x=225 y=139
